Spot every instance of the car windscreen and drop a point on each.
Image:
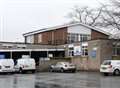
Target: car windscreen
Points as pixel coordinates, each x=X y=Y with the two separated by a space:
x=107 y=63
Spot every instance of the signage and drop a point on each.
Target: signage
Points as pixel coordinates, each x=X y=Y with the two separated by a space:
x=71 y=45
x=77 y=50
x=93 y=53
x=50 y=55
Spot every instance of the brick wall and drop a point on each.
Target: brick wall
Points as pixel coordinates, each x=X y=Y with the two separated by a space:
x=98 y=35
x=55 y=37
x=36 y=38
x=103 y=50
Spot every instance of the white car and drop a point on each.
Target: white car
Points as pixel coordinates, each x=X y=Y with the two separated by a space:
x=6 y=65
x=62 y=67
x=110 y=67
x=25 y=64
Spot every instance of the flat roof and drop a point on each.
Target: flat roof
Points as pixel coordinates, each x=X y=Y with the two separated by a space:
x=5 y=42
x=27 y=50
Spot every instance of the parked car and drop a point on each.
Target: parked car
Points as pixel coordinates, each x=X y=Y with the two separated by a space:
x=25 y=64
x=63 y=67
x=6 y=65
x=110 y=67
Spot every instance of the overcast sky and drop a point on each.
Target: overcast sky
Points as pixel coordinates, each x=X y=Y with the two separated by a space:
x=21 y=16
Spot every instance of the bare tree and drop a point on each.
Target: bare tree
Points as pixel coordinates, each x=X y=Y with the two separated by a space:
x=107 y=16
x=110 y=17
x=85 y=15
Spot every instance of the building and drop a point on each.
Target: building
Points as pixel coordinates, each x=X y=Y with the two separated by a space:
x=15 y=50
x=72 y=36
x=65 y=34
x=86 y=45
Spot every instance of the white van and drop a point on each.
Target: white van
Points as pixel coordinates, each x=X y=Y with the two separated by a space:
x=25 y=64
x=110 y=66
x=6 y=65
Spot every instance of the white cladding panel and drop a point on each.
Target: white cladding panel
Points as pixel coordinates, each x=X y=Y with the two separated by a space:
x=79 y=29
x=30 y=39
x=85 y=44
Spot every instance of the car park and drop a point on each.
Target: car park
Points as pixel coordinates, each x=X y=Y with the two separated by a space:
x=62 y=67
x=110 y=67
x=25 y=64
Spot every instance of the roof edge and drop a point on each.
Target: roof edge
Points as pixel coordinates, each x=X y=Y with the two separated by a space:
x=65 y=25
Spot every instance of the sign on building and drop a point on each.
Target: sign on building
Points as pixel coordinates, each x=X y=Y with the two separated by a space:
x=77 y=50
x=93 y=53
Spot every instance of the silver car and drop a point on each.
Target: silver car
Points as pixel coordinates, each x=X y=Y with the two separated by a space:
x=62 y=67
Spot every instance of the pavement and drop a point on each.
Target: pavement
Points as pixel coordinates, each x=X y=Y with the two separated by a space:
x=59 y=80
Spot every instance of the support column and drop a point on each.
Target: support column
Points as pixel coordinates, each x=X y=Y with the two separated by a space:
x=47 y=53
x=30 y=53
x=10 y=54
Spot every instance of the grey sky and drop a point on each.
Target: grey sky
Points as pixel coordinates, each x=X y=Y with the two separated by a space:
x=21 y=16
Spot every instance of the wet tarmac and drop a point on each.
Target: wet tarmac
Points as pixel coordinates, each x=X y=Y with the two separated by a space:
x=59 y=80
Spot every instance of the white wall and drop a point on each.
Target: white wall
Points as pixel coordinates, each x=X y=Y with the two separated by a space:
x=84 y=43
x=79 y=29
x=39 y=38
x=30 y=39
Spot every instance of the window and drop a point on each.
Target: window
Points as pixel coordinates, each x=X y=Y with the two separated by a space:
x=116 y=50
x=7 y=46
x=84 y=37
x=106 y=63
x=84 y=51
x=59 y=64
x=74 y=37
x=71 y=51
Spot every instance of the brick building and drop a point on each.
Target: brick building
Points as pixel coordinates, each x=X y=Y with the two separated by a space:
x=88 y=46
x=65 y=34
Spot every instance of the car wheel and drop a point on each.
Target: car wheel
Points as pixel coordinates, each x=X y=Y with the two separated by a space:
x=33 y=71
x=105 y=74
x=61 y=70
x=20 y=70
x=73 y=71
x=117 y=72
x=50 y=70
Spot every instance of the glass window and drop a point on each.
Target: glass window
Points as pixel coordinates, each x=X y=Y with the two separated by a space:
x=116 y=50
x=71 y=51
x=106 y=63
x=84 y=37
x=74 y=37
x=84 y=50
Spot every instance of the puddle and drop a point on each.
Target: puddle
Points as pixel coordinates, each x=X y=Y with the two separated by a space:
x=49 y=85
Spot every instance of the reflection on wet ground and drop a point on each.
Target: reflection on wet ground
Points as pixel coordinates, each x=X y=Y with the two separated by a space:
x=59 y=80
x=44 y=85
